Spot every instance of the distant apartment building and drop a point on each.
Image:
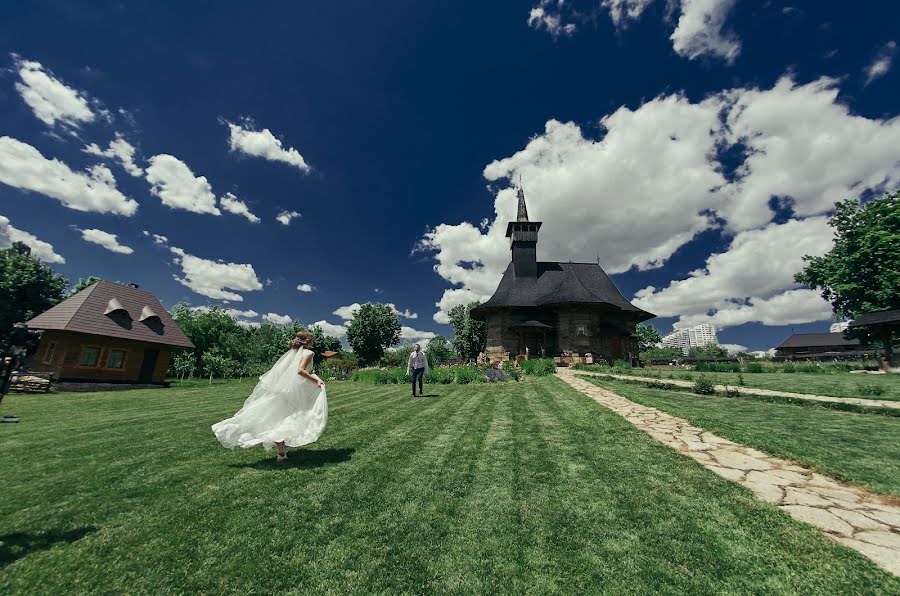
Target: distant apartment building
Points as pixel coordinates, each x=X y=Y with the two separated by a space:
x=838 y=327
x=691 y=337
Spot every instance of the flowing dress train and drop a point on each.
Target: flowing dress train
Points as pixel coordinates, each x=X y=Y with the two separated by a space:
x=283 y=407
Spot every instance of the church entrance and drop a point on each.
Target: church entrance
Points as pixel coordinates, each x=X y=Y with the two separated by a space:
x=535 y=339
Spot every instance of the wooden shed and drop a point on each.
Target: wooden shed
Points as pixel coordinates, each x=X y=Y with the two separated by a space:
x=806 y=345
x=107 y=333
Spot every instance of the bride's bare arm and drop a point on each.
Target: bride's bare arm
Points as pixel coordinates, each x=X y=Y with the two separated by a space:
x=304 y=364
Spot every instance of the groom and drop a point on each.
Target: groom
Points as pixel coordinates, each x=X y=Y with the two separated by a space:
x=417 y=367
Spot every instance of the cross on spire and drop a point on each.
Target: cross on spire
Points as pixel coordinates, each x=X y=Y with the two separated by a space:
x=522 y=213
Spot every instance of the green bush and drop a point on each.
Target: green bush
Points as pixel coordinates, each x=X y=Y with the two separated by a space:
x=660 y=385
x=732 y=392
x=755 y=367
x=622 y=364
x=381 y=376
x=702 y=367
x=540 y=367
x=704 y=386
x=335 y=370
x=741 y=379
x=869 y=389
x=788 y=368
x=467 y=374
x=440 y=376
x=807 y=368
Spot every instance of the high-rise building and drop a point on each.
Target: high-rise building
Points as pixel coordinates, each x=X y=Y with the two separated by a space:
x=691 y=337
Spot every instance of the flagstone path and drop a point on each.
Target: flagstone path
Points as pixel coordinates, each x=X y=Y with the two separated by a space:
x=863 y=521
x=884 y=403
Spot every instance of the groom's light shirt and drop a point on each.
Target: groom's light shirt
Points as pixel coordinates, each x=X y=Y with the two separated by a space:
x=417 y=360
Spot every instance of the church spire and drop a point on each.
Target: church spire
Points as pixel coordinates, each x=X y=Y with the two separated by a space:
x=522 y=214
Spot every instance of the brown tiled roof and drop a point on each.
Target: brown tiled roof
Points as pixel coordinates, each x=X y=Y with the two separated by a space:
x=880 y=317
x=816 y=340
x=84 y=313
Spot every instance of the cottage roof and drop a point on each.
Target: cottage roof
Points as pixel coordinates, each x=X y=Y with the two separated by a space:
x=560 y=283
x=881 y=317
x=816 y=340
x=114 y=310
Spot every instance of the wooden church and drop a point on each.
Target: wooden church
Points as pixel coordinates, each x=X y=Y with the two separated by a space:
x=556 y=309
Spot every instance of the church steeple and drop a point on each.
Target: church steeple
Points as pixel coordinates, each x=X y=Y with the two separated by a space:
x=523 y=235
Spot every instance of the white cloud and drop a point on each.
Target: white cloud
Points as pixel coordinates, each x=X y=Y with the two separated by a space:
x=338 y=331
x=744 y=283
x=232 y=204
x=241 y=314
x=410 y=335
x=42 y=250
x=22 y=166
x=701 y=30
x=305 y=288
x=213 y=279
x=623 y=11
x=654 y=180
x=176 y=186
x=347 y=312
x=881 y=65
x=118 y=149
x=264 y=144
x=285 y=217
x=277 y=319
x=108 y=241
x=157 y=239
x=733 y=348
x=50 y=99
x=542 y=17
x=247 y=324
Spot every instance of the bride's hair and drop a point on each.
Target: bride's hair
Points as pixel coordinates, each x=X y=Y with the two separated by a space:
x=301 y=339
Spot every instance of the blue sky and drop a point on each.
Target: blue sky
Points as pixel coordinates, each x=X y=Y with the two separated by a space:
x=694 y=145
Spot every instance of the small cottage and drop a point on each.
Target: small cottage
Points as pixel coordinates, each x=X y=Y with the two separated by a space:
x=107 y=333
x=811 y=345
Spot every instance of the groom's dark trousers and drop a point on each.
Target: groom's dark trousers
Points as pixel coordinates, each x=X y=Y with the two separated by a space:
x=417 y=373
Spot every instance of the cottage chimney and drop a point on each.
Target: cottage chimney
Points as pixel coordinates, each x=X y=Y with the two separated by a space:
x=523 y=235
x=135 y=286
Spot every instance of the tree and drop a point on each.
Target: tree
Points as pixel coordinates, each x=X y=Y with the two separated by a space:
x=648 y=337
x=374 y=328
x=83 y=284
x=184 y=363
x=709 y=351
x=215 y=363
x=469 y=333
x=324 y=343
x=398 y=357
x=662 y=354
x=438 y=350
x=861 y=273
x=27 y=287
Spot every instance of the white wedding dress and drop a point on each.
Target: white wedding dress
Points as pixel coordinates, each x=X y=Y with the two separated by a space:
x=283 y=407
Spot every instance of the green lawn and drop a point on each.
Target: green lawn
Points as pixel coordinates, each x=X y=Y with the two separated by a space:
x=835 y=385
x=476 y=489
x=861 y=449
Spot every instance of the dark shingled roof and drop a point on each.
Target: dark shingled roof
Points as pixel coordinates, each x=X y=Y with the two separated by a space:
x=881 y=317
x=84 y=313
x=560 y=283
x=816 y=340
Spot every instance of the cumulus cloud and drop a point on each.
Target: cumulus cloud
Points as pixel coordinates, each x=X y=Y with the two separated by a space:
x=213 y=279
x=22 y=166
x=120 y=150
x=543 y=17
x=263 y=144
x=409 y=335
x=738 y=283
x=347 y=312
x=285 y=217
x=108 y=241
x=232 y=204
x=51 y=100
x=277 y=319
x=176 y=186
x=655 y=178
x=881 y=64
x=701 y=30
x=623 y=11
x=305 y=288
x=42 y=250
x=733 y=348
x=338 y=331
x=157 y=239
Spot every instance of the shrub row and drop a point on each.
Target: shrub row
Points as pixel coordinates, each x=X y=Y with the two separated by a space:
x=461 y=375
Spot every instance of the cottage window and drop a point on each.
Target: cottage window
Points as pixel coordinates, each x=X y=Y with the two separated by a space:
x=90 y=356
x=581 y=330
x=116 y=359
x=48 y=354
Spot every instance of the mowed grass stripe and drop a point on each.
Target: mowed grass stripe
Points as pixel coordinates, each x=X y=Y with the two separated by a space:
x=501 y=488
x=859 y=449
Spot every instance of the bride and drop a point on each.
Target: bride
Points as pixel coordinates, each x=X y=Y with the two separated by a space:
x=287 y=407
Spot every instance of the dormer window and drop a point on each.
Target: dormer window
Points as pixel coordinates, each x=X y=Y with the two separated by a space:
x=116 y=307
x=148 y=315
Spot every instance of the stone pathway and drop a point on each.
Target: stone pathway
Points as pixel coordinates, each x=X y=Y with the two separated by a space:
x=865 y=522
x=884 y=403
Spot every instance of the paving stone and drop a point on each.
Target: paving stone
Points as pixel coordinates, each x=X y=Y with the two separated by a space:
x=727 y=473
x=891 y=519
x=732 y=459
x=799 y=496
x=889 y=559
x=791 y=476
x=845 y=495
x=775 y=477
x=857 y=520
x=881 y=538
x=820 y=518
x=765 y=491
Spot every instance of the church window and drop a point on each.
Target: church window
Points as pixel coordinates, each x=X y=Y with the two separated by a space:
x=581 y=330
